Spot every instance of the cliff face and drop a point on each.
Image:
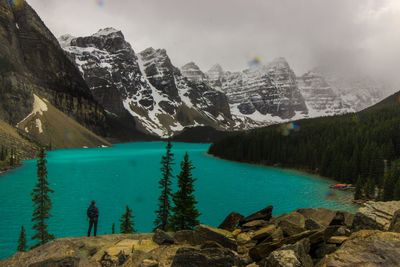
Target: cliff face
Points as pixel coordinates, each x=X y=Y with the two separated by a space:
x=146 y=86
x=32 y=60
x=320 y=97
x=261 y=92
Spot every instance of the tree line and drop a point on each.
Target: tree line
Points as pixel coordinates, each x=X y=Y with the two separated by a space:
x=176 y=211
x=360 y=149
x=9 y=156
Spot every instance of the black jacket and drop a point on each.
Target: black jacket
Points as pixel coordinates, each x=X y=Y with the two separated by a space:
x=92 y=212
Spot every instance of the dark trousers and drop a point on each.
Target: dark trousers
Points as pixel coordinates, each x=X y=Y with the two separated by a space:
x=92 y=222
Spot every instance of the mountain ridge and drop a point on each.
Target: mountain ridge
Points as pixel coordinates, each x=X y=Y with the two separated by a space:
x=161 y=100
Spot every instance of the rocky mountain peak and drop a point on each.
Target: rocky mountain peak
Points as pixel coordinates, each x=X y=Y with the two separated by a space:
x=216 y=69
x=65 y=40
x=278 y=64
x=215 y=72
x=192 y=72
x=108 y=32
x=108 y=39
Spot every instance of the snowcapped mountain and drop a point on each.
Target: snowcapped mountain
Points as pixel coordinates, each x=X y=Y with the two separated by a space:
x=146 y=85
x=193 y=72
x=266 y=93
x=331 y=92
x=320 y=98
x=162 y=99
x=272 y=93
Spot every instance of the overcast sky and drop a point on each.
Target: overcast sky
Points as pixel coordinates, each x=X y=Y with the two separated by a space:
x=365 y=33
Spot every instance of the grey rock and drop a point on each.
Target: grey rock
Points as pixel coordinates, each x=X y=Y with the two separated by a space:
x=282 y=258
x=291 y=224
x=366 y=248
x=291 y=255
x=343 y=218
x=262 y=250
x=375 y=215
x=223 y=237
x=319 y=251
x=264 y=214
x=189 y=237
x=321 y=216
x=231 y=221
x=310 y=224
x=162 y=238
x=252 y=225
x=395 y=223
x=219 y=257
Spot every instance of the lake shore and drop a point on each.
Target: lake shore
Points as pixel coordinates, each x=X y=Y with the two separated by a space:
x=293 y=170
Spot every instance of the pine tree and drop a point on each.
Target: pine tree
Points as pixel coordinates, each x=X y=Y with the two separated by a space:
x=22 y=240
x=12 y=157
x=113 y=228
x=3 y=153
x=396 y=193
x=41 y=202
x=185 y=214
x=370 y=188
x=358 y=194
x=390 y=180
x=127 y=226
x=163 y=212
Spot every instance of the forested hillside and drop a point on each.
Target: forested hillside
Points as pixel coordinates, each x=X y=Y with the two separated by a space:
x=352 y=148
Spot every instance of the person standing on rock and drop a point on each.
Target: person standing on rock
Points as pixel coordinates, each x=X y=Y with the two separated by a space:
x=93 y=215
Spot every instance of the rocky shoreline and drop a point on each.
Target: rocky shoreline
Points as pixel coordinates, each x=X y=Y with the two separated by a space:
x=305 y=237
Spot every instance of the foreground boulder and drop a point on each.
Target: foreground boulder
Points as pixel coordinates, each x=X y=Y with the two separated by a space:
x=321 y=216
x=301 y=238
x=214 y=256
x=366 y=248
x=82 y=251
x=395 y=223
x=292 y=223
x=231 y=221
x=222 y=237
x=291 y=255
x=264 y=249
x=264 y=214
x=162 y=238
x=375 y=215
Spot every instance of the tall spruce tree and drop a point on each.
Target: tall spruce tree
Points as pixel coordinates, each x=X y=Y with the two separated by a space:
x=369 y=189
x=390 y=180
x=41 y=202
x=22 y=240
x=163 y=212
x=396 y=191
x=127 y=226
x=12 y=157
x=358 y=193
x=185 y=214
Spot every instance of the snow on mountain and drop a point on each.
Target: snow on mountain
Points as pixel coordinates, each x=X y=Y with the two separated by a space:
x=265 y=94
x=356 y=91
x=163 y=99
x=320 y=98
x=146 y=85
x=192 y=72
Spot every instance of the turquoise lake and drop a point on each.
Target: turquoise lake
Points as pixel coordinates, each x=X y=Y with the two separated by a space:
x=128 y=174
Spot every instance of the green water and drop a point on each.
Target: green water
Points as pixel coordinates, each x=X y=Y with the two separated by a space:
x=127 y=174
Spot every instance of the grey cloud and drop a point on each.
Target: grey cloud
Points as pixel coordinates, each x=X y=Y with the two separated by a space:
x=360 y=33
